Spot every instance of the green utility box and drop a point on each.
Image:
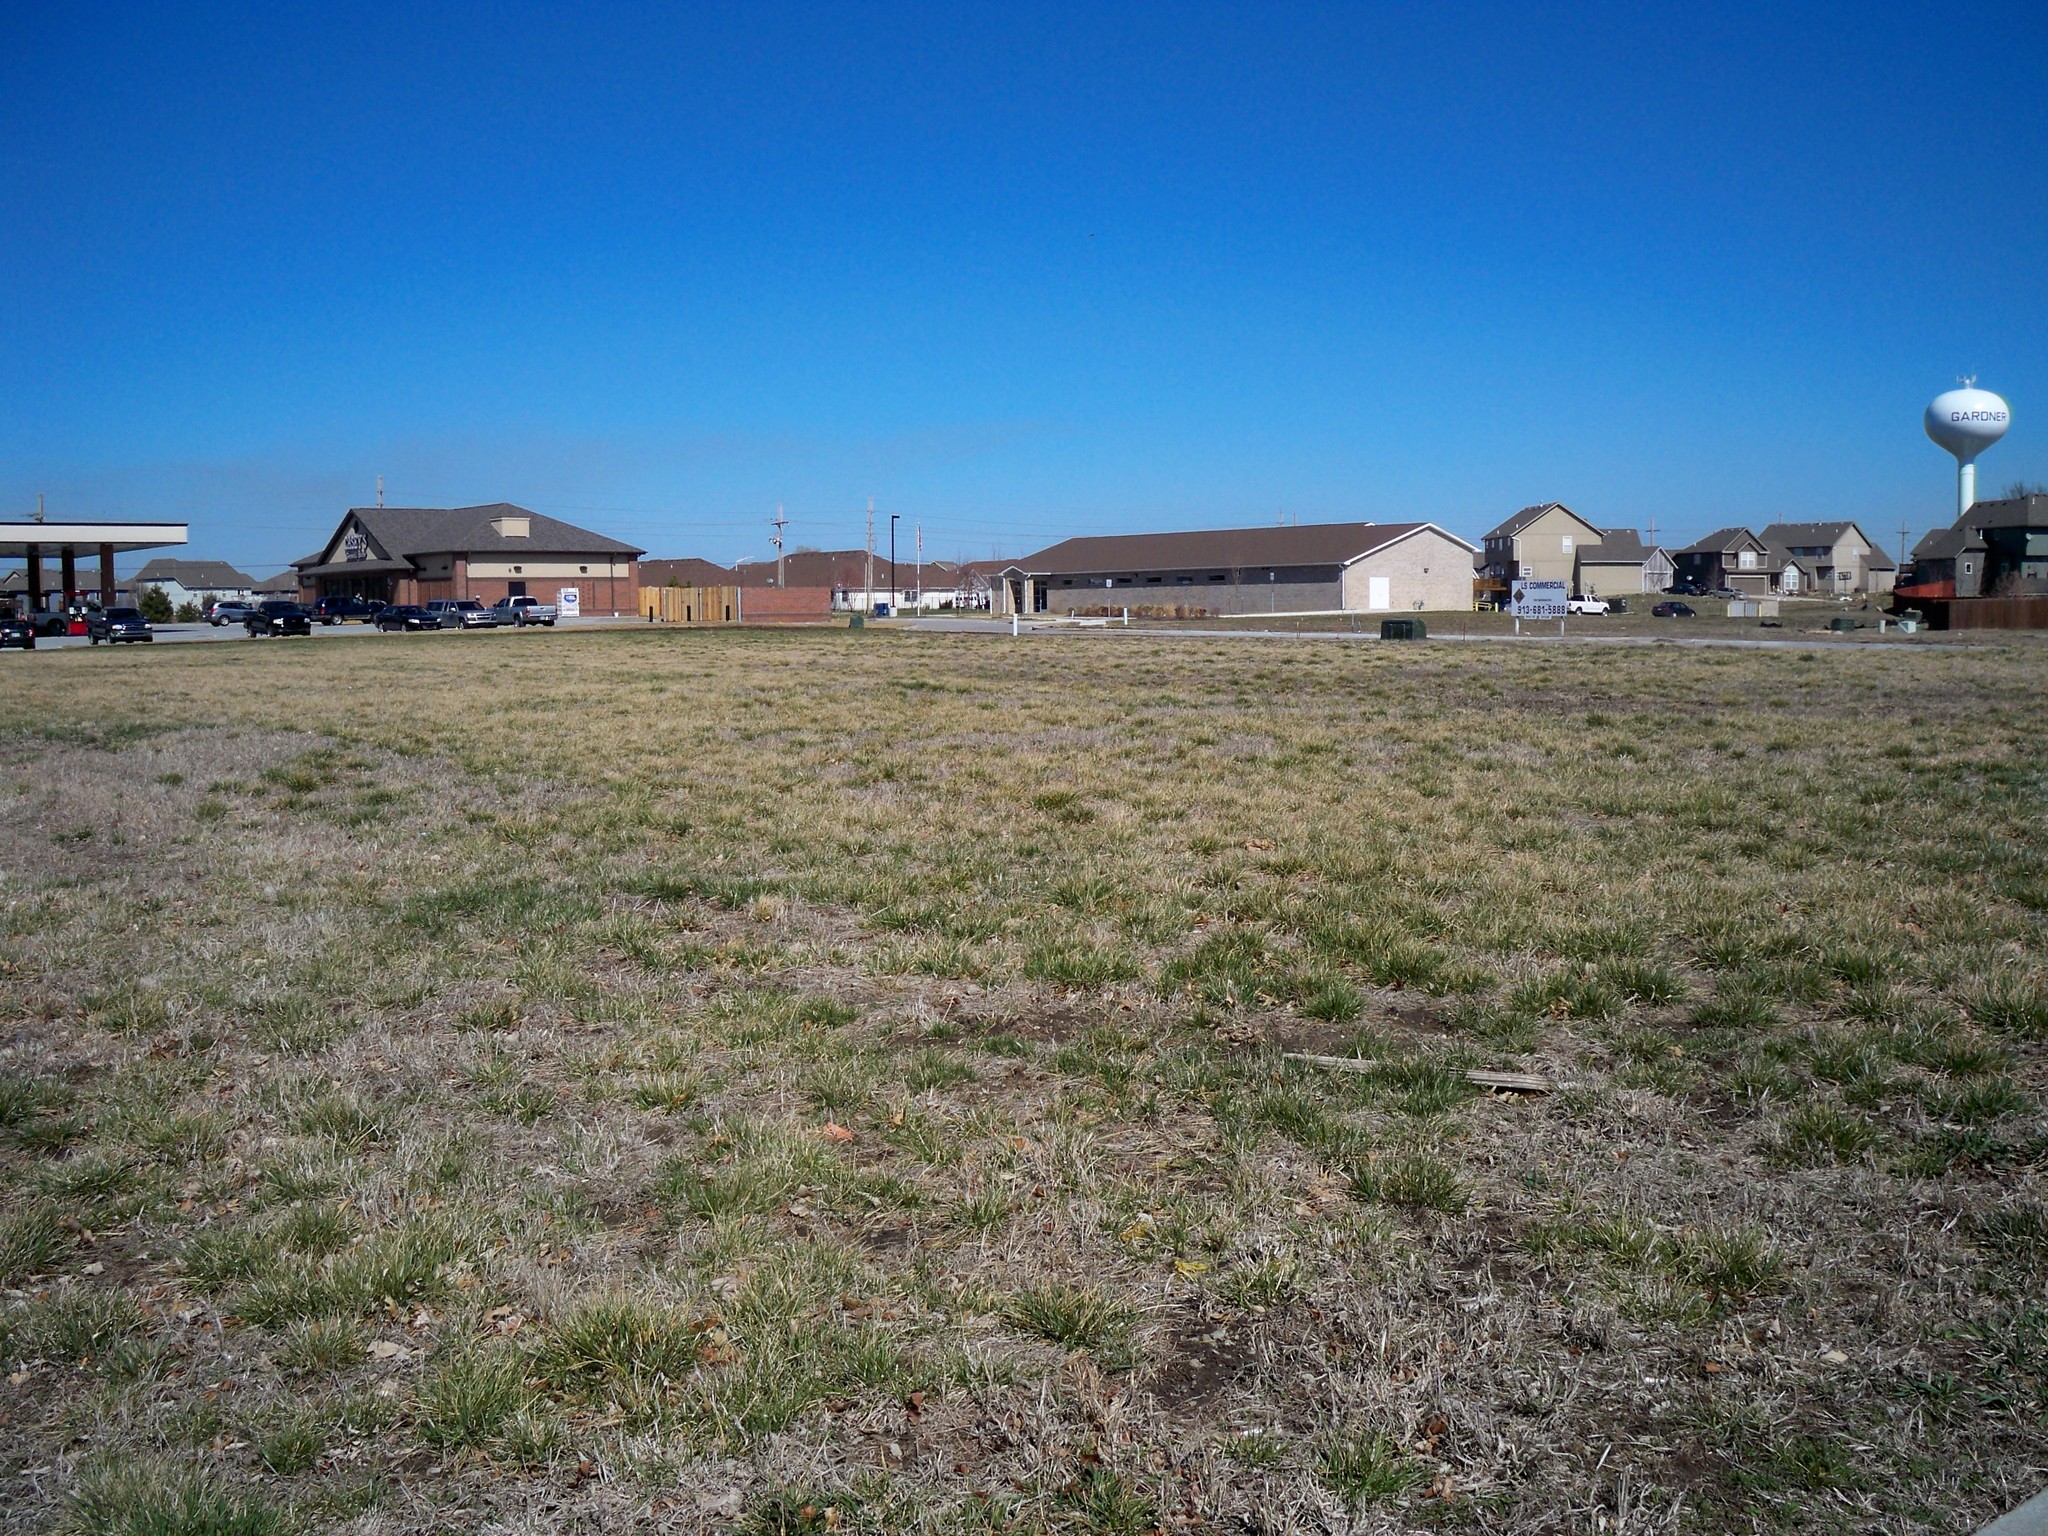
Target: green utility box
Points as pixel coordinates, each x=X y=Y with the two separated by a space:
x=856 y=622
x=1403 y=629
x=1843 y=624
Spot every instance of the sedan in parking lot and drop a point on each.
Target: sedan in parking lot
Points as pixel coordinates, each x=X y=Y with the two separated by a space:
x=16 y=633
x=409 y=616
x=1673 y=611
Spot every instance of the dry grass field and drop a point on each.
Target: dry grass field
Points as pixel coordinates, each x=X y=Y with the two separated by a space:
x=837 y=1082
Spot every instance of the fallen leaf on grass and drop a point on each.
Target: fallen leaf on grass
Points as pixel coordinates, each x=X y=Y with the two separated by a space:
x=832 y=1130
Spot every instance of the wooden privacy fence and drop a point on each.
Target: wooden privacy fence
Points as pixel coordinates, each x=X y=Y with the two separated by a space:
x=691 y=605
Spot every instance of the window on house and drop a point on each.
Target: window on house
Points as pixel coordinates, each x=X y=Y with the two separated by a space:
x=1747 y=560
x=1969 y=567
x=1567 y=542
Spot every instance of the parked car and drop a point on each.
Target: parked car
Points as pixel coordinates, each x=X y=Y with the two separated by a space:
x=404 y=616
x=1585 y=606
x=338 y=610
x=521 y=611
x=229 y=613
x=17 y=633
x=462 y=613
x=115 y=625
x=1673 y=611
x=278 y=617
x=1686 y=589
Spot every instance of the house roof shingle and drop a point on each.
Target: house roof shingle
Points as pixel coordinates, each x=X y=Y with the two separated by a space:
x=403 y=533
x=1618 y=546
x=1528 y=515
x=688 y=571
x=1223 y=548
x=1720 y=541
x=194 y=575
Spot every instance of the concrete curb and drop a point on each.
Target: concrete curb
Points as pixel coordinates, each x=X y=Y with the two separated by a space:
x=2030 y=1519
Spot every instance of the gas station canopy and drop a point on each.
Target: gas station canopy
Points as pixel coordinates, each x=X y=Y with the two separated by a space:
x=20 y=540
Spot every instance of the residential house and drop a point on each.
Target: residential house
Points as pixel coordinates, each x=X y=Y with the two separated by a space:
x=1834 y=559
x=1539 y=543
x=1621 y=565
x=858 y=580
x=1953 y=559
x=1731 y=559
x=194 y=581
x=1996 y=549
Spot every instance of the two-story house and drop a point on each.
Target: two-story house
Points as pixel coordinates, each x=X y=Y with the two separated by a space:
x=1539 y=543
x=1834 y=559
x=1730 y=559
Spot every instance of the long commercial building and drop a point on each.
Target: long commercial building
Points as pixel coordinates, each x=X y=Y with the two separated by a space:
x=1307 y=568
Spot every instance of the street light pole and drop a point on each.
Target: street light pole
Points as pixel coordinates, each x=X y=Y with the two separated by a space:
x=894 y=593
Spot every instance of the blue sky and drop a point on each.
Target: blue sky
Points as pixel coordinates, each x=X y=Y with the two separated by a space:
x=1015 y=272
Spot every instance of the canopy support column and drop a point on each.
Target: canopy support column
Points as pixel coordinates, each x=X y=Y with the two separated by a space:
x=106 y=576
x=35 y=578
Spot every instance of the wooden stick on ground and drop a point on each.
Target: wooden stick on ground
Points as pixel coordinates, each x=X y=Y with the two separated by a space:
x=1506 y=1082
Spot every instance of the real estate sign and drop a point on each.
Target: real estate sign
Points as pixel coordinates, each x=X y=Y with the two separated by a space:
x=1537 y=599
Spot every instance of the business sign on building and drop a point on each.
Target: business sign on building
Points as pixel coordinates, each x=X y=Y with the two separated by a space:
x=1537 y=599
x=354 y=546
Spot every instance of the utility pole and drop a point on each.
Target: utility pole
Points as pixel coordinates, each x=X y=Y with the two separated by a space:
x=895 y=587
x=1902 y=544
x=380 y=490
x=781 y=523
x=920 y=566
x=871 y=555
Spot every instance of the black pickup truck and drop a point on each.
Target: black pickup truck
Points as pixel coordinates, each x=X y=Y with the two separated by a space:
x=278 y=617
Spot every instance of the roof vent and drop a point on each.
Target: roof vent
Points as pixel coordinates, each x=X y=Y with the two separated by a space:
x=512 y=527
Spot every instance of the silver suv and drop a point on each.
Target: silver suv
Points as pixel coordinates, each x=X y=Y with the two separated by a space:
x=462 y=613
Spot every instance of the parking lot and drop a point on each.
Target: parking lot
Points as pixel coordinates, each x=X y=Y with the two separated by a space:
x=200 y=633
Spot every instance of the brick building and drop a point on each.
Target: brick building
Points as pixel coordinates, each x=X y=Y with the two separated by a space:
x=416 y=554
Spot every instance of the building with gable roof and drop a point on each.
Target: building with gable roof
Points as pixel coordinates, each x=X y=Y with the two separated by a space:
x=1728 y=559
x=187 y=581
x=418 y=554
x=1836 y=559
x=1544 y=542
x=1622 y=565
x=1304 y=568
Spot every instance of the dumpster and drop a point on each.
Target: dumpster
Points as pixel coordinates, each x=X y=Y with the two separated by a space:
x=1403 y=629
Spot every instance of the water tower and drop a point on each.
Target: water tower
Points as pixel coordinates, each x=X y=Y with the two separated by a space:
x=1966 y=421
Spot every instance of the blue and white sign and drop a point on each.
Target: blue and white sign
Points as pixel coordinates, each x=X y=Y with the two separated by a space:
x=1537 y=599
x=569 y=603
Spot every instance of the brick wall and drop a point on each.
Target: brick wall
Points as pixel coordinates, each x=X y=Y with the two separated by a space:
x=787 y=605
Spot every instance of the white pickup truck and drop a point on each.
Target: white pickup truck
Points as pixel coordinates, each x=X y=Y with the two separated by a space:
x=521 y=611
x=1589 y=606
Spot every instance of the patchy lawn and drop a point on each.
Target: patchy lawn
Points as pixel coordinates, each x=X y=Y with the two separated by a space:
x=838 y=1082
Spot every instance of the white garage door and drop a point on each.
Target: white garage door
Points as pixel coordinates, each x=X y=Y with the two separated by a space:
x=1379 y=592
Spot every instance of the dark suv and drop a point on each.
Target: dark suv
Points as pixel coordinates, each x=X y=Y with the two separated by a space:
x=115 y=625
x=278 y=617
